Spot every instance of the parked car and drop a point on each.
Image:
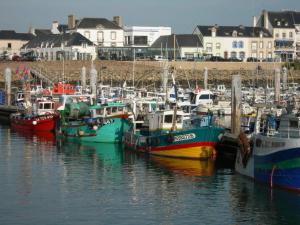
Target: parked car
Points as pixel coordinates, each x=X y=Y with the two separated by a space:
x=234 y=59
x=252 y=59
x=16 y=58
x=216 y=59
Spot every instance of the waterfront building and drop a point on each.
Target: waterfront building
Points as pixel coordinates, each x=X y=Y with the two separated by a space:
x=285 y=29
x=178 y=46
x=142 y=36
x=235 y=42
x=11 y=42
x=102 y=32
x=67 y=46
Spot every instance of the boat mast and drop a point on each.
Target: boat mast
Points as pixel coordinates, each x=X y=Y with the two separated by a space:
x=175 y=107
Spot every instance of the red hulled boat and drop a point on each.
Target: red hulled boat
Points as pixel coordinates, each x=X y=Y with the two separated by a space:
x=45 y=122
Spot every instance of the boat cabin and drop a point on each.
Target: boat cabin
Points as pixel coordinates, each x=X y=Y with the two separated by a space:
x=204 y=97
x=289 y=127
x=109 y=110
x=163 y=120
x=45 y=107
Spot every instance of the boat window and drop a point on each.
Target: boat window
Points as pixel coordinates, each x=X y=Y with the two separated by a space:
x=120 y=109
x=178 y=119
x=114 y=109
x=168 y=118
x=47 y=106
x=99 y=111
x=258 y=143
x=204 y=96
x=293 y=123
x=108 y=111
x=41 y=106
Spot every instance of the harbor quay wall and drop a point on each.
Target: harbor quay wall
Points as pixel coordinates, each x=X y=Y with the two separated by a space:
x=148 y=73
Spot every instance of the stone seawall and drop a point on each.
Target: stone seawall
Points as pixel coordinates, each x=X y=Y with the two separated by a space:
x=149 y=72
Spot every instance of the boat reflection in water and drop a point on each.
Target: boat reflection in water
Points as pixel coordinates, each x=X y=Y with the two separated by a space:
x=107 y=154
x=187 y=167
x=37 y=137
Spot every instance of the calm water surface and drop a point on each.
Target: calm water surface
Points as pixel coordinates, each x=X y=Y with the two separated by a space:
x=44 y=182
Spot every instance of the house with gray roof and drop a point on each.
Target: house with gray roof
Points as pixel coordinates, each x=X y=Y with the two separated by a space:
x=67 y=46
x=101 y=31
x=178 y=46
x=285 y=29
x=235 y=42
x=11 y=42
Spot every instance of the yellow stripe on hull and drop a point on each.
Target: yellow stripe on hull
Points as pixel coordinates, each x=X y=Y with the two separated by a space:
x=198 y=152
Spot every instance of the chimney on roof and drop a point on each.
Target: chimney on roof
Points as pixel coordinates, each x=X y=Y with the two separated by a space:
x=31 y=30
x=266 y=19
x=71 y=22
x=254 y=21
x=54 y=28
x=118 y=20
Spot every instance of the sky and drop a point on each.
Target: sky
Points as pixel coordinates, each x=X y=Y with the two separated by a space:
x=182 y=15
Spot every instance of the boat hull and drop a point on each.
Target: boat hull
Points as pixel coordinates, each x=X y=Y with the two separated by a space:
x=196 y=143
x=273 y=166
x=111 y=132
x=35 y=124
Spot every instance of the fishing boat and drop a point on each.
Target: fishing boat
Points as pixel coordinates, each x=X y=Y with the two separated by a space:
x=99 y=123
x=43 y=118
x=275 y=157
x=174 y=135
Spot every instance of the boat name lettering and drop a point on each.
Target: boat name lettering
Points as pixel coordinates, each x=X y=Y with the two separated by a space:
x=184 y=137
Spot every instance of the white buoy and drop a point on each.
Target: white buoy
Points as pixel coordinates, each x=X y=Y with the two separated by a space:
x=7 y=74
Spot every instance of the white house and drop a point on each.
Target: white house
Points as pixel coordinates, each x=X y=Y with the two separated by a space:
x=102 y=32
x=11 y=42
x=236 y=42
x=284 y=27
x=68 y=46
x=140 y=36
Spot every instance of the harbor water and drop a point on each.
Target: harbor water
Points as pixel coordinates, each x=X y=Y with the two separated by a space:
x=45 y=181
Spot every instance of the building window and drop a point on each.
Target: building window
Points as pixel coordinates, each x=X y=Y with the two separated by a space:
x=269 y=55
x=278 y=23
x=113 y=44
x=233 y=55
x=113 y=35
x=261 y=55
x=254 y=45
x=291 y=34
x=242 y=55
x=100 y=36
x=234 y=44
x=87 y=34
x=277 y=35
x=270 y=44
x=253 y=55
x=283 y=35
x=261 y=44
x=209 y=47
x=9 y=45
x=241 y=44
x=218 y=45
